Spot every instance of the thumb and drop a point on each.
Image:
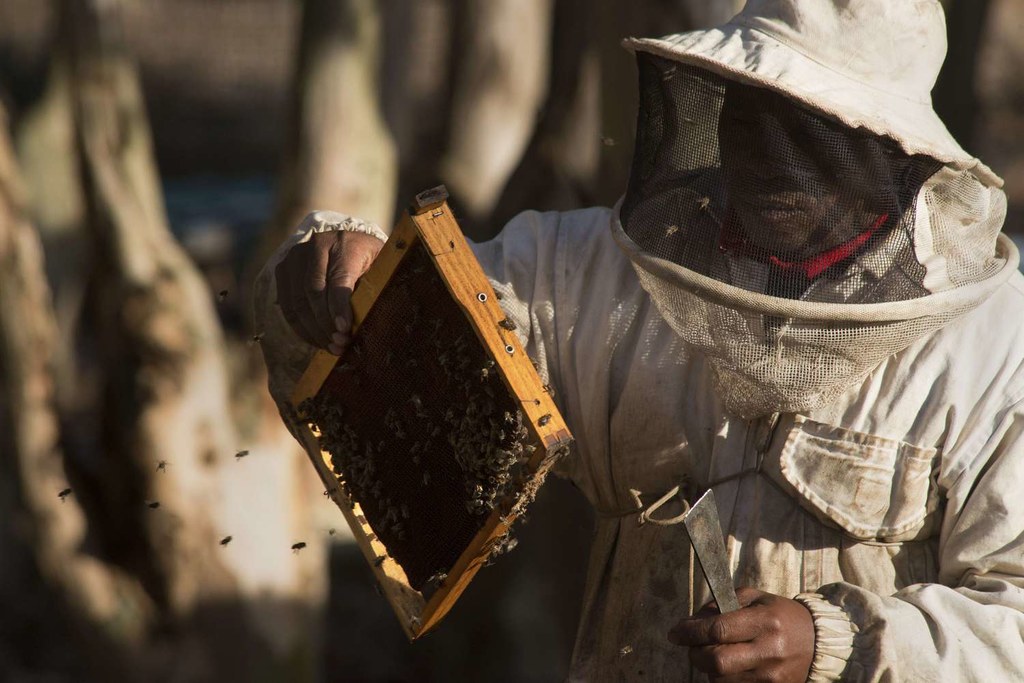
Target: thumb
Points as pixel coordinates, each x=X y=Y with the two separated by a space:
x=350 y=258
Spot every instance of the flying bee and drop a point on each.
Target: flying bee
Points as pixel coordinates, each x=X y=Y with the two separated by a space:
x=162 y=466
x=331 y=531
x=241 y=454
x=153 y=504
x=256 y=338
x=296 y=547
x=63 y=494
x=225 y=540
x=222 y=295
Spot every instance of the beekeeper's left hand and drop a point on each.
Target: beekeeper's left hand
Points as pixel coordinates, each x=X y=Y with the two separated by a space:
x=770 y=638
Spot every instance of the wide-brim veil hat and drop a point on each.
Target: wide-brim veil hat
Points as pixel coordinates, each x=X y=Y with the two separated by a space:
x=868 y=64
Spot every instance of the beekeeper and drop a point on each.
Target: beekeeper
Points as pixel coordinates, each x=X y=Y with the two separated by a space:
x=802 y=301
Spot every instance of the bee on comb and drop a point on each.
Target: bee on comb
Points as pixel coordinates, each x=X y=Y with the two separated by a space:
x=434 y=456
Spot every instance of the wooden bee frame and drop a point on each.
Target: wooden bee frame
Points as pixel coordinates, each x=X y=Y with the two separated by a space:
x=430 y=222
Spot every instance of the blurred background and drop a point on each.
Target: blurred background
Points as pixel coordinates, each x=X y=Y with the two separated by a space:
x=152 y=155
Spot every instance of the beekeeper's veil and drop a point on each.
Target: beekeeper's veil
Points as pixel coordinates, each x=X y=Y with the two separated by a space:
x=796 y=209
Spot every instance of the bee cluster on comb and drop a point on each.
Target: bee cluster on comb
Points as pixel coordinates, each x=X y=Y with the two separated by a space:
x=420 y=430
x=433 y=431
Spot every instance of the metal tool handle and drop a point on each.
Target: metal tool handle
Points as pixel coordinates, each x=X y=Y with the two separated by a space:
x=708 y=543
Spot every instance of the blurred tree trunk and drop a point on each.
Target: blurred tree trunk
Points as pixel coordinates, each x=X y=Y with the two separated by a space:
x=166 y=434
x=340 y=155
x=45 y=143
x=419 y=57
x=956 y=95
x=559 y=169
x=63 y=609
x=503 y=52
x=708 y=13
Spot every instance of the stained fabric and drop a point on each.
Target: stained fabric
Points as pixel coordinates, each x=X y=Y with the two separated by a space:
x=894 y=512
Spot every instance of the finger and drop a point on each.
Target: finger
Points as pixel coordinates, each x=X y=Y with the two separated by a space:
x=726 y=660
x=315 y=287
x=747 y=596
x=299 y=302
x=732 y=627
x=344 y=268
x=286 y=299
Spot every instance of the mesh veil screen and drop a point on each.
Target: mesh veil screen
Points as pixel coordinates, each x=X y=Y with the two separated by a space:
x=740 y=184
x=744 y=186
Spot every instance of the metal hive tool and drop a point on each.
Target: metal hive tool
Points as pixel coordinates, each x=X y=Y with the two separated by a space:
x=433 y=432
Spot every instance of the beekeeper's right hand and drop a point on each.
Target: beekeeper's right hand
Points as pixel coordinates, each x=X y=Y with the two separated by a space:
x=316 y=278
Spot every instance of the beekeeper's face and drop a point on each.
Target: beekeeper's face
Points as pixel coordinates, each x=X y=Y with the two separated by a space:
x=786 y=191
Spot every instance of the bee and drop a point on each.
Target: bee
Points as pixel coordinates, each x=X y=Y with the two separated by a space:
x=63 y=494
x=380 y=560
x=544 y=419
x=426 y=478
x=704 y=203
x=222 y=295
x=241 y=454
x=162 y=466
x=225 y=540
x=607 y=141
x=507 y=324
x=671 y=230
x=331 y=531
x=256 y=338
x=153 y=505
x=296 y=547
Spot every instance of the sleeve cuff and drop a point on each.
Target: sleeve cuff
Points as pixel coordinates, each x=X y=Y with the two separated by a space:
x=327 y=221
x=833 y=638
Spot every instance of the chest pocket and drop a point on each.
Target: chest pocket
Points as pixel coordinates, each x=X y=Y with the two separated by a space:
x=871 y=487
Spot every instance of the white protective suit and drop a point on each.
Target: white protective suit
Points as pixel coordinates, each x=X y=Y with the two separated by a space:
x=894 y=511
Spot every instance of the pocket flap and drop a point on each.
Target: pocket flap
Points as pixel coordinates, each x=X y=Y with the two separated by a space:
x=871 y=486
